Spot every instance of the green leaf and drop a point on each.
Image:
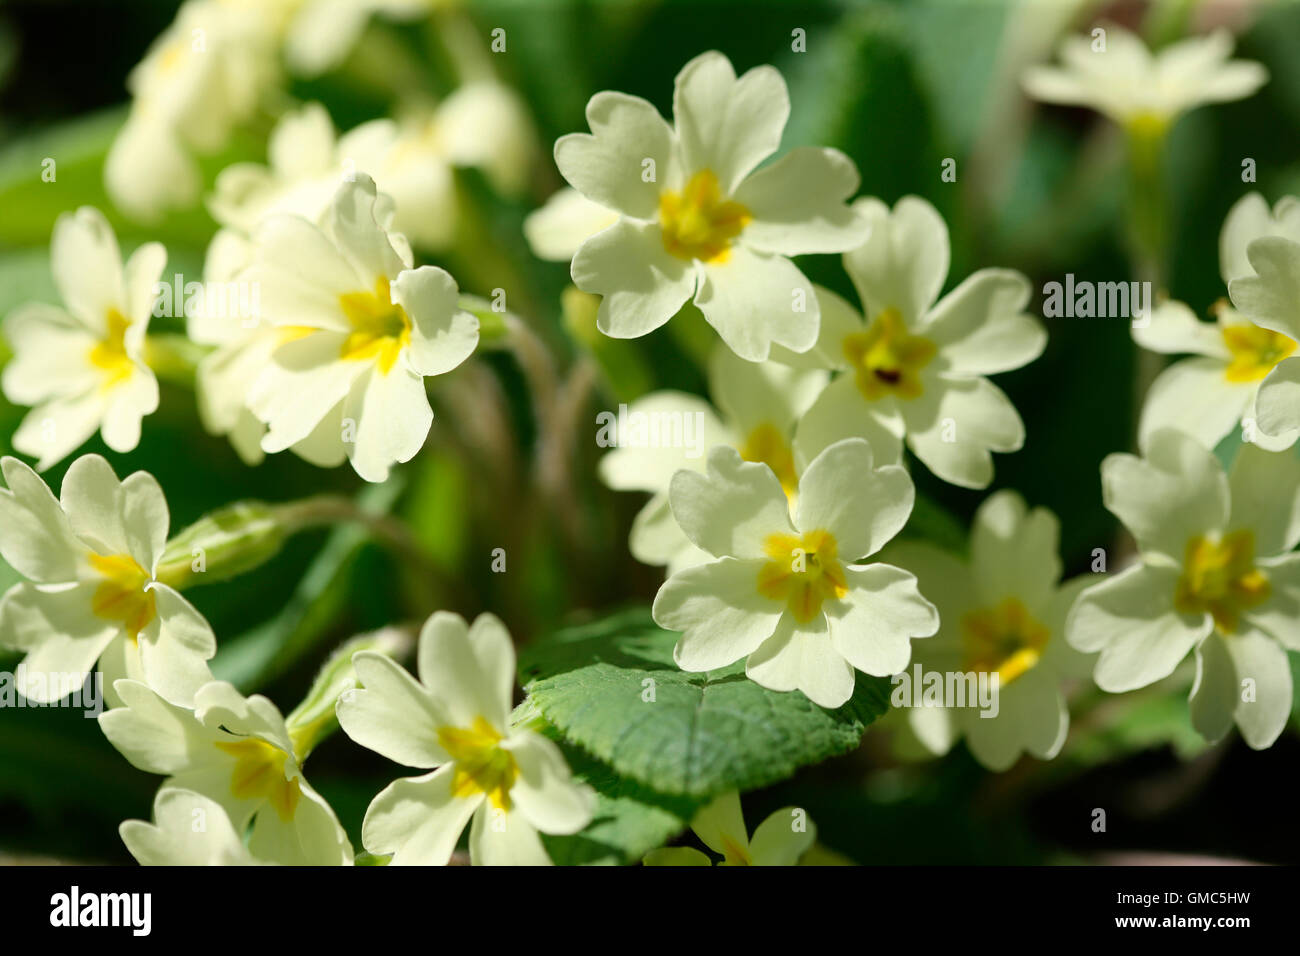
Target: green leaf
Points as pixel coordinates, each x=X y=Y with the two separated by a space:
x=702 y=734
x=630 y=819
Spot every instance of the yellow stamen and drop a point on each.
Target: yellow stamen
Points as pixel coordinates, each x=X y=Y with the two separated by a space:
x=259 y=774
x=804 y=571
x=380 y=327
x=1255 y=351
x=121 y=595
x=697 y=222
x=766 y=444
x=1004 y=639
x=109 y=354
x=887 y=359
x=482 y=766
x=1220 y=577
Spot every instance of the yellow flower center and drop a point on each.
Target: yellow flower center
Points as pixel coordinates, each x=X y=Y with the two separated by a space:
x=697 y=222
x=1220 y=577
x=1255 y=351
x=767 y=445
x=121 y=595
x=803 y=572
x=1004 y=639
x=886 y=358
x=259 y=775
x=482 y=766
x=380 y=327
x=109 y=354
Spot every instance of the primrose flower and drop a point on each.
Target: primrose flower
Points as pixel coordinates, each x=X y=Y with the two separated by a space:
x=83 y=365
x=204 y=76
x=305 y=172
x=789 y=595
x=759 y=404
x=361 y=330
x=512 y=782
x=1000 y=613
x=696 y=220
x=1119 y=77
x=92 y=593
x=1216 y=574
x=238 y=752
x=1269 y=298
x=779 y=840
x=1235 y=359
x=189 y=829
x=914 y=370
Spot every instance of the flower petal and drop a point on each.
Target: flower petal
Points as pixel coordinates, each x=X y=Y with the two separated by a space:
x=800 y=205
x=391 y=714
x=61 y=636
x=608 y=166
x=1261 y=714
x=981 y=327
x=418 y=820
x=779 y=841
x=568 y=219
x=641 y=284
x=904 y=261
x=391 y=417
x=1277 y=406
x=1014 y=551
x=862 y=506
x=1174 y=329
x=956 y=422
x=755 y=299
x=1131 y=619
x=731 y=510
x=665 y=432
x=1194 y=396
x=751 y=394
x=545 y=791
x=720 y=611
x=873 y=626
x=469 y=670
x=87 y=267
x=504 y=838
x=311 y=837
x=841 y=412
x=726 y=124
x=1271 y=297
x=36 y=538
x=803 y=657
x=175 y=648
x=445 y=335
x=1178 y=491
x=1265 y=491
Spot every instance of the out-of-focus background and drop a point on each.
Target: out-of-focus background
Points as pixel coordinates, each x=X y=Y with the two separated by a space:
x=898 y=86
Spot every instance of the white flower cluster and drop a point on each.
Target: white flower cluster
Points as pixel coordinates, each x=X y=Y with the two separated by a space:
x=776 y=531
